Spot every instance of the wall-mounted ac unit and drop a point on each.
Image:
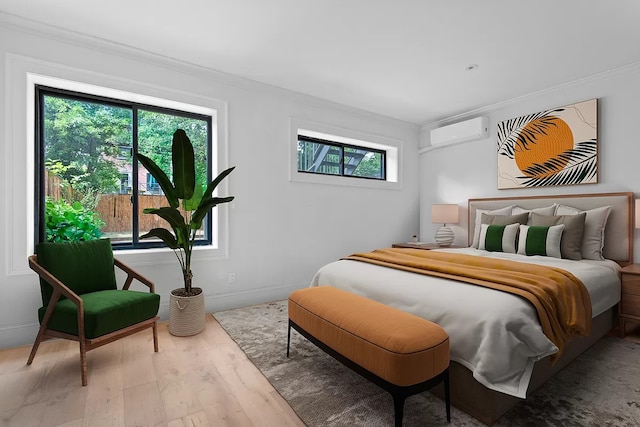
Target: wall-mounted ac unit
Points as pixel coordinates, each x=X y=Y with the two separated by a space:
x=468 y=130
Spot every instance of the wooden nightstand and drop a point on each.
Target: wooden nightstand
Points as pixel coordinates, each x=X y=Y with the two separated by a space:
x=629 y=307
x=426 y=246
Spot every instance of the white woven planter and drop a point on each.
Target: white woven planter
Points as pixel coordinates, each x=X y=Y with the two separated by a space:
x=186 y=315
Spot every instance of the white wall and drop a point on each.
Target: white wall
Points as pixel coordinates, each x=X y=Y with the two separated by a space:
x=280 y=232
x=456 y=173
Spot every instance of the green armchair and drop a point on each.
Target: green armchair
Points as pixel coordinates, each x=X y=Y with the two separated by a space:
x=80 y=299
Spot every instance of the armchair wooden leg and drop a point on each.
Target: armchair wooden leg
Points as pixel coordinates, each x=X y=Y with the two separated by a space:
x=83 y=361
x=155 y=336
x=36 y=344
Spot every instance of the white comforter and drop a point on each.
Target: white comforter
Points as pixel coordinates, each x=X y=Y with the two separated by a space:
x=494 y=334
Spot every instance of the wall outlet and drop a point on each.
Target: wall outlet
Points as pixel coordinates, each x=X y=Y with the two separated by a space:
x=232 y=277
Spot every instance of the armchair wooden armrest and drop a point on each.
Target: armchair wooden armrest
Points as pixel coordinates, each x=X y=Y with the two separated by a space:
x=131 y=274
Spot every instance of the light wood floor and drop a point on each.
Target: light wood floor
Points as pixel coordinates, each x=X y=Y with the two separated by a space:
x=204 y=380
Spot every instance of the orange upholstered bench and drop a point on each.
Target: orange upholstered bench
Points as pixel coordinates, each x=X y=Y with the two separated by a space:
x=402 y=353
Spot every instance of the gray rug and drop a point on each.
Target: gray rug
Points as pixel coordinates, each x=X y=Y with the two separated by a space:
x=600 y=388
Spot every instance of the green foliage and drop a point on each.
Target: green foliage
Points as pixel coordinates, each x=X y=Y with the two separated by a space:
x=85 y=138
x=66 y=222
x=155 y=129
x=370 y=166
x=195 y=202
x=87 y=143
x=75 y=190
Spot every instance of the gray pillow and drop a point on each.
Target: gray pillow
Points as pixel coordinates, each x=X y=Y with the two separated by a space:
x=571 y=236
x=478 y=217
x=593 y=234
x=504 y=219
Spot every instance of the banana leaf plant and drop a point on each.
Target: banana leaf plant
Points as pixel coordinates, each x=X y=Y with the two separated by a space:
x=196 y=203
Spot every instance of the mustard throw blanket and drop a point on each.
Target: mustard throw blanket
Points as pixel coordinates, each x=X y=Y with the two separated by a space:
x=561 y=300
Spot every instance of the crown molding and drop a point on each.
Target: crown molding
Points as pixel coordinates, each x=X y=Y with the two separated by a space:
x=55 y=33
x=614 y=72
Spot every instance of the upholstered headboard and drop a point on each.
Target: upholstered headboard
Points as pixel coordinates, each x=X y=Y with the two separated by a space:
x=618 y=240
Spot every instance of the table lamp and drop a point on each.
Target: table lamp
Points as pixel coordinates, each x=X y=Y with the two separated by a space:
x=444 y=214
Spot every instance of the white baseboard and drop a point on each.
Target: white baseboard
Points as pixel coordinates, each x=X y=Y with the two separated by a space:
x=24 y=334
x=17 y=335
x=250 y=297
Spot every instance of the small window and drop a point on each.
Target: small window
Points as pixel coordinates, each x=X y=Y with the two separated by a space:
x=326 y=157
x=152 y=185
x=125 y=186
x=125 y=153
x=329 y=155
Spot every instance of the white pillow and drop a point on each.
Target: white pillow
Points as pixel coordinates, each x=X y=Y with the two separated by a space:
x=593 y=234
x=508 y=238
x=549 y=210
x=540 y=240
x=478 y=220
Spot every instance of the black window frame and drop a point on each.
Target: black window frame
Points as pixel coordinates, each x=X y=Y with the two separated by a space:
x=341 y=146
x=39 y=221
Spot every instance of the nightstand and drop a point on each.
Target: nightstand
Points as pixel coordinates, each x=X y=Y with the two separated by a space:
x=426 y=246
x=629 y=307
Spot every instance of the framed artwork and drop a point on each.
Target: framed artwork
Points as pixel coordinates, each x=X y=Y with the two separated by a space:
x=549 y=148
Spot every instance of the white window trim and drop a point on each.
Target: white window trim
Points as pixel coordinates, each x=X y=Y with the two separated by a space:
x=22 y=74
x=393 y=148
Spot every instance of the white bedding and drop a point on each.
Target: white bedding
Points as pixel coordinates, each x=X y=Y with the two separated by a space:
x=494 y=334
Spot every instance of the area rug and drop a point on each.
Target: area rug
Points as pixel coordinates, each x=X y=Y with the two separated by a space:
x=600 y=388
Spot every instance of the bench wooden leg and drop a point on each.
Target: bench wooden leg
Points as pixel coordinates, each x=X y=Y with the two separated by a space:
x=447 y=397
x=289 y=338
x=398 y=408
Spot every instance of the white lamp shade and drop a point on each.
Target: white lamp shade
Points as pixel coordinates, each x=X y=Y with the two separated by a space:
x=637 y=213
x=444 y=214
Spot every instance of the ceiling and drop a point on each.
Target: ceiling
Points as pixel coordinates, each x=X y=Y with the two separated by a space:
x=404 y=59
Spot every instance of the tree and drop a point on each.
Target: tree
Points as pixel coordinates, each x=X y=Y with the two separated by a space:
x=369 y=166
x=84 y=140
x=91 y=142
x=155 y=132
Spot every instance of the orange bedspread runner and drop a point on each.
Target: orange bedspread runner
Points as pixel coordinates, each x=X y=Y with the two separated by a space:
x=561 y=299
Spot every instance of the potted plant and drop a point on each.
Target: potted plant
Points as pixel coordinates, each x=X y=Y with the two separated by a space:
x=186 y=313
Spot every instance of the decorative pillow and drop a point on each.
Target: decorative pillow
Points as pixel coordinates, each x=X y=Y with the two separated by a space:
x=549 y=210
x=503 y=219
x=498 y=238
x=593 y=234
x=540 y=240
x=571 y=242
x=478 y=221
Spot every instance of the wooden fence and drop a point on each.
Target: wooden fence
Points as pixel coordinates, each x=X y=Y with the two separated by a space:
x=116 y=211
x=52 y=185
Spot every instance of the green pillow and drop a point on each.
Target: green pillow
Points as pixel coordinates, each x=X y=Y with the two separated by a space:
x=498 y=238
x=540 y=240
x=571 y=242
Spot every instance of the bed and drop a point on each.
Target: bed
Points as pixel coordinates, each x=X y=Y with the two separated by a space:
x=499 y=352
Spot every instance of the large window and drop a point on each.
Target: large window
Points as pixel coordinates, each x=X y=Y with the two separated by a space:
x=88 y=184
x=327 y=157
